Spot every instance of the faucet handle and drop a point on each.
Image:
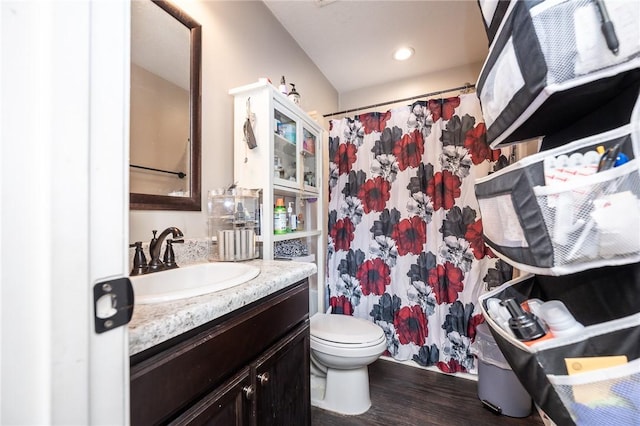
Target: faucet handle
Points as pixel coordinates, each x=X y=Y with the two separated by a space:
x=169 y=257
x=140 y=265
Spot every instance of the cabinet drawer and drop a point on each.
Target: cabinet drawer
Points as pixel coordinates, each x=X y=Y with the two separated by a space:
x=168 y=382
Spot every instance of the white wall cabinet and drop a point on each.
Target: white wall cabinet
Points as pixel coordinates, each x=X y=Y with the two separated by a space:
x=286 y=163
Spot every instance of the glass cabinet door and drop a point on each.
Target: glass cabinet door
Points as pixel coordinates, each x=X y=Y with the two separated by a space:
x=284 y=149
x=309 y=159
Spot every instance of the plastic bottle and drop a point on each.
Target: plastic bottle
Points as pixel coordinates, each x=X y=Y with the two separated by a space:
x=283 y=86
x=280 y=217
x=292 y=219
x=560 y=321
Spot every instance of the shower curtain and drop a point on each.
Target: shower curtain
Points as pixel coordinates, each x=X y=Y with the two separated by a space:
x=405 y=246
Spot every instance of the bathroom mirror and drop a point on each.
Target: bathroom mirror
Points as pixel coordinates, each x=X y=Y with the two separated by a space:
x=165 y=109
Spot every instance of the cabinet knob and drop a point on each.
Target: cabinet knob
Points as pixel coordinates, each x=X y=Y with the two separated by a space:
x=263 y=378
x=248 y=392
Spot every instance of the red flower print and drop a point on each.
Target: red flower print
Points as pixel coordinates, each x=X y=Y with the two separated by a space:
x=476 y=143
x=453 y=366
x=446 y=282
x=443 y=189
x=374 y=122
x=342 y=234
x=345 y=157
x=444 y=108
x=475 y=321
x=373 y=276
x=410 y=235
x=476 y=239
x=374 y=194
x=409 y=149
x=411 y=325
x=340 y=305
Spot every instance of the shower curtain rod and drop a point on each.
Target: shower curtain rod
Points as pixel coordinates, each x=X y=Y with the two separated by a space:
x=465 y=87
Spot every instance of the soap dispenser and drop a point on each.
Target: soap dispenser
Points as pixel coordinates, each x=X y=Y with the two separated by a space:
x=525 y=326
x=294 y=95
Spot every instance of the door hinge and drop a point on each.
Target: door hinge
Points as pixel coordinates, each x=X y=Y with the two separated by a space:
x=112 y=304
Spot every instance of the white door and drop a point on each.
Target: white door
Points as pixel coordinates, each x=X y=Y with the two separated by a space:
x=64 y=209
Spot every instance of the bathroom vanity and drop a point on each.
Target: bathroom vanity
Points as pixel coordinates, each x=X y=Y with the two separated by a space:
x=238 y=356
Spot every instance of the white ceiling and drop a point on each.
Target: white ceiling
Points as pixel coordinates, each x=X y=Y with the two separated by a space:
x=352 y=42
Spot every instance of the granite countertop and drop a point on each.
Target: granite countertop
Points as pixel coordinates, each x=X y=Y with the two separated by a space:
x=156 y=323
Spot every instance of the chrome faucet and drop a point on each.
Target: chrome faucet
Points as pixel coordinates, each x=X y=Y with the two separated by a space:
x=156 y=244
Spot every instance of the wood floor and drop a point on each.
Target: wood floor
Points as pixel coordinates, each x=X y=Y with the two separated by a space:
x=403 y=395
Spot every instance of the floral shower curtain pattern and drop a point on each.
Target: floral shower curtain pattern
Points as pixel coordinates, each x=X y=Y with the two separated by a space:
x=405 y=234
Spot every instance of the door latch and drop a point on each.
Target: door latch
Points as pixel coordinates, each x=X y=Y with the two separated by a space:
x=112 y=304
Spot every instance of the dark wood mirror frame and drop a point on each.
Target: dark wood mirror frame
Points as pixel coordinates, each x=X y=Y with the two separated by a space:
x=194 y=201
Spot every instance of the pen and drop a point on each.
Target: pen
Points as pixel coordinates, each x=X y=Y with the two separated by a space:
x=609 y=158
x=607 y=27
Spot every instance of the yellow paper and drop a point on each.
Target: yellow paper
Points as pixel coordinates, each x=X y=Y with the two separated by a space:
x=593 y=392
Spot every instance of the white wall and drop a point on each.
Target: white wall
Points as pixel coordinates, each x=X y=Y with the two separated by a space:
x=401 y=89
x=241 y=41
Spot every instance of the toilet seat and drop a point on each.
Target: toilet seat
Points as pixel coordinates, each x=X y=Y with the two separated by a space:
x=337 y=345
x=344 y=331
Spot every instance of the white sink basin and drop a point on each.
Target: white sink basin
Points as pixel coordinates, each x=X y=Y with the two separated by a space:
x=190 y=281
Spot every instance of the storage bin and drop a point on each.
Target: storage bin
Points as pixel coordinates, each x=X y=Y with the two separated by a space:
x=492 y=12
x=550 y=64
x=552 y=214
x=605 y=301
x=498 y=387
x=232 y=221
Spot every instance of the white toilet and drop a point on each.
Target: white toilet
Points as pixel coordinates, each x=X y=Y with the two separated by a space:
x=342 y=347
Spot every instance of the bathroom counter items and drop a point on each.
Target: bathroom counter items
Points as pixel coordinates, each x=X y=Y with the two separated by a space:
x=154 y=324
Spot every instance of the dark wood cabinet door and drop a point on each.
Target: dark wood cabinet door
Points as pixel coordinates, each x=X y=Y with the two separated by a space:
x=281 y=377
x=229 y=405
x=173 y=379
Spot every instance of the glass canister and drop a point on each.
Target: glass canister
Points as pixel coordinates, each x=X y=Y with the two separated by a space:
x=233 y=219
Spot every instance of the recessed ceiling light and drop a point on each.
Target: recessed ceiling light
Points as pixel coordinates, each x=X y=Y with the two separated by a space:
x=403 y=53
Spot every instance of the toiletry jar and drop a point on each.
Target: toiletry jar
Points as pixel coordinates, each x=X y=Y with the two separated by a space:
x=550 y=64
x=605 y=301
x=554 y=213
x=232 y=221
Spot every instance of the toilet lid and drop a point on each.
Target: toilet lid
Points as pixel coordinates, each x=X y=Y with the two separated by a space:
x=344 y=329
